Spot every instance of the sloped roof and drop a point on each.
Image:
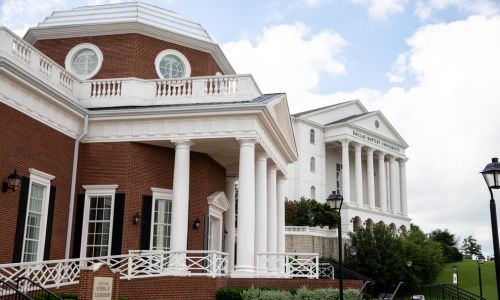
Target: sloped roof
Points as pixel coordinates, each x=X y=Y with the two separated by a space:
x=347 y=119
x=128 y=12
x=321 y=108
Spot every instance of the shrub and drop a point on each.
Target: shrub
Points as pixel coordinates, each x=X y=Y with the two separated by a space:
x=229 y=293
x=326 y=294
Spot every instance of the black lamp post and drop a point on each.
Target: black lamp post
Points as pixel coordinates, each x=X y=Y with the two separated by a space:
x=480 y=261
x=335 y=201
x=491 y=174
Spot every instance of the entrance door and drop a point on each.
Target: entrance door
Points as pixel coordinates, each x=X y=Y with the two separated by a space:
x=215 y=234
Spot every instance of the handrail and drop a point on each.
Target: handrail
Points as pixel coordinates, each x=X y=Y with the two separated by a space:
x=31 y=282
x=444 y=291
x=12 y=291
x=396 y=291
x=348 y=271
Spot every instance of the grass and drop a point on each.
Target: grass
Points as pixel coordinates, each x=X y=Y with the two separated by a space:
x=468 y=277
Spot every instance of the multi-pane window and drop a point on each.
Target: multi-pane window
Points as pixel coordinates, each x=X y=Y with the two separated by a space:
x=312 y=165
x=313 y=192
x=35 y=218
x=312 y=136
x=339 y=178
x=85 y=62
x=162 y=216
x=99 y=226
x=171 y=67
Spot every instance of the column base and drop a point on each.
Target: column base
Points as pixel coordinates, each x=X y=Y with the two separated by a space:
x=244 y=272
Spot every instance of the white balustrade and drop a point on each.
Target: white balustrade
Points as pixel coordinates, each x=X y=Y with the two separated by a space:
x=306 y=230
x=288 y=265
x=326 y=270
x=136 y=264
x=126 y=91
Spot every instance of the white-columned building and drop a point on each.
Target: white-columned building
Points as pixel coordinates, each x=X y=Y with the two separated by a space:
x=347 y=149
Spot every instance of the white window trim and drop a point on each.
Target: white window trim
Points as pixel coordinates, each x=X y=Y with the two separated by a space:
x=159 y=193
x=217 y=205
x=71 y=54
x=312 y=163
x=44 y=179
x=159 y=57
x=108 y=190
x=312 y=136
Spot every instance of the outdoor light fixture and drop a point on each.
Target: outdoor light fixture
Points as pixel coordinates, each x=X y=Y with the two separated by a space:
x=136 y=218
x=196 y=223
x=353 y=251
x=335 y=201
x=491 y=174
x=480 y=261
x=13 y=181
x=409 y=264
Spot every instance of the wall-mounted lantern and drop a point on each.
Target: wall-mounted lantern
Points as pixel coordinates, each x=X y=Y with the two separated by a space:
x=13 y=182
x=196 y=223
x=136 y=218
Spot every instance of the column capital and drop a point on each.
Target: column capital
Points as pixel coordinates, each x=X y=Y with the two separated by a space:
x=381 y=154
x=392 y=159
x=182 y=142
x=369 y=151
x=345 y=142
x=247 y=141
x=357 y=146
x=272 y=168
x=402 y=161
x=261 y=156
x=231 y=179
x=281 y=178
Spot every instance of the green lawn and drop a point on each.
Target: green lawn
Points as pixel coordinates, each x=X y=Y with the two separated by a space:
x=468 y=277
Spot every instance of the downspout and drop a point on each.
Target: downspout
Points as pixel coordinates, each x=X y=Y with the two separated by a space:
x=73 y=185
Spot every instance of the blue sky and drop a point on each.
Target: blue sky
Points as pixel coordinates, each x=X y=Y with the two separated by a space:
x=431 y=66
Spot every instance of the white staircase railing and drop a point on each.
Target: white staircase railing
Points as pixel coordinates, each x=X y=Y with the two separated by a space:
x=288 y=265
x=136 y=264
x=326 y=270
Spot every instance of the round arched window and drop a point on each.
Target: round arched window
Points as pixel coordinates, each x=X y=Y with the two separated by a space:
x=172 y=64
x=84 y=60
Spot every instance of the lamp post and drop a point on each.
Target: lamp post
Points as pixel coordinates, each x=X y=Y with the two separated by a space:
x=491 y=174
x=335 y=201
x=480 y=261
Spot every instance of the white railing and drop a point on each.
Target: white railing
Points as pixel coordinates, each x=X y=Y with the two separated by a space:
x=136 y=264
x=306 y=230
x=126 y=91
x=326 y=270
x=288 y=265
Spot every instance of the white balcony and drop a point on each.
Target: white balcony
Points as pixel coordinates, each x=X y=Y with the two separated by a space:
x=124 y=91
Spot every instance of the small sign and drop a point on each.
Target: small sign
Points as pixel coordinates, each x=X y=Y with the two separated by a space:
x=455 y=278
x=103 y=288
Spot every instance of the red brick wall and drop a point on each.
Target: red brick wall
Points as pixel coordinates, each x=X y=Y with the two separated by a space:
x=129 y=55
x=137 y=167
x=86 y=282
x=27 y=143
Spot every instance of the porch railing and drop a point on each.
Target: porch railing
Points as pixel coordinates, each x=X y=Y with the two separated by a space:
x=288 y=265
x=136 y=264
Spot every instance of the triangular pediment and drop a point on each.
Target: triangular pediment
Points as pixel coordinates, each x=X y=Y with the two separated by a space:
x=377 y=123
x=333 y=113
x=218 y=201
x=281 y=115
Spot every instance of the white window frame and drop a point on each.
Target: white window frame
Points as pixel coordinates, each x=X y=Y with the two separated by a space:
x=217 y=205
x=75 y=50
x=43 y=179
x=312 y=136
x=184 y=60
x=313 y=192
x=159 y=193
x=312 y=164
x=108 y=190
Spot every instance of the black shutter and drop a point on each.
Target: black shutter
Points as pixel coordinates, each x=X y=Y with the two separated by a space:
x=50 y=220
x=116 y=243
x=77 y=231
x=147 y=207
x=205 y=236
x=21 y=219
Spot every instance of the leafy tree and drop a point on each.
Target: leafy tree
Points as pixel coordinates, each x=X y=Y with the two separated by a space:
x=470 y=246
x=384 y=256
x=307 y=212
x=448 y=244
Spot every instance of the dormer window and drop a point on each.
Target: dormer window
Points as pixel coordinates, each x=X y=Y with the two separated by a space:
x=171 y=64
x=84 y=60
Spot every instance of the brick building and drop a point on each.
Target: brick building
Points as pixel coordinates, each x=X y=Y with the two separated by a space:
x=128 y=130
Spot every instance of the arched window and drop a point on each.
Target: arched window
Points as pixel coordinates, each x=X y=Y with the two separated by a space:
x=313 y=192
x=312 y=165
x=312 y=137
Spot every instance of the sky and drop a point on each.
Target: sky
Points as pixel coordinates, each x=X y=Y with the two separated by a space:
x=431 y=66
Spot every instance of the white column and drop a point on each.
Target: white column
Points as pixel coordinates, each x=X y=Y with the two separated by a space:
x=358 y=174
x=393 y=185
x=280 y=194
x=180 y=201
x=346 y=189
x=260 y=203
x=246 y=210
x=272 y=207
x=229 y=220
x=381 y=182
x=402 y=189
x=370 y=177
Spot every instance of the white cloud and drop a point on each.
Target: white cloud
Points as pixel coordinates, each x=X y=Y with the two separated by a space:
x=381 y=9
x=289 y=58
x=450 y=120
x=399 y=68
x=426 y=8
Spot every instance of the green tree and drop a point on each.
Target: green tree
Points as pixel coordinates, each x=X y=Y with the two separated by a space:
x=470 y=246
x=307 y=212
x=448 y=244
x=384 y=256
